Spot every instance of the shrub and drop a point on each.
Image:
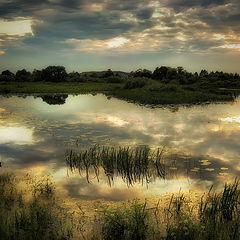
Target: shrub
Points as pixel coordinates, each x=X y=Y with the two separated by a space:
x=114 y=80
x=135 y=83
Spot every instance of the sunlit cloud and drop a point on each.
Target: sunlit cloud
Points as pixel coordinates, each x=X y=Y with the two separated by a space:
x=117 y=42
x=231 y=46
x=16 y=27
x=16 y=135
x=98 y=45
x=231 y=119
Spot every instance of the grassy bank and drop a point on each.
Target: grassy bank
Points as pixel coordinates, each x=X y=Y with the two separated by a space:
x=31 y=209
x=63 y=87
x=140 y=91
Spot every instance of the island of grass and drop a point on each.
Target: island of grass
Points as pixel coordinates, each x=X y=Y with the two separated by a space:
x=164 y=86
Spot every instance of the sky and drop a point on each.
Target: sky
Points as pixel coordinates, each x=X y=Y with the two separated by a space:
x=86 y=35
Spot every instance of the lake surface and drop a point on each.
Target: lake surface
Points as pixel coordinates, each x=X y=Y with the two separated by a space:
x=201 y=142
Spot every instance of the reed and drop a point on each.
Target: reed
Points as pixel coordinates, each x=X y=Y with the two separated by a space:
x=33 y=213
x=36 y=213
x=134 y=165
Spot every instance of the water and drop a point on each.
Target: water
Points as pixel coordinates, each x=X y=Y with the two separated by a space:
x=201 y=142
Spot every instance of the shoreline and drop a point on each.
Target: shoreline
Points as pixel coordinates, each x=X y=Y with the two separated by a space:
x=141 y=96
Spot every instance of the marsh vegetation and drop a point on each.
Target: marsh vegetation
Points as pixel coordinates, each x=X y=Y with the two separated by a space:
x=35 y=211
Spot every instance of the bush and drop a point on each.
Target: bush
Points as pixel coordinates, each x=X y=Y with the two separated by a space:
x=6 y=78
x=135 y=83
x=114 y=80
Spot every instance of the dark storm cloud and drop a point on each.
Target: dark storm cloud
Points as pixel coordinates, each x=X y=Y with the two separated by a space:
x=125 y=5
x=21 y=8
x=83 y=26
x=145 y=13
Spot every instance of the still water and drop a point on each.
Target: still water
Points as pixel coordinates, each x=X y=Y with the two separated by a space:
x=201 y=142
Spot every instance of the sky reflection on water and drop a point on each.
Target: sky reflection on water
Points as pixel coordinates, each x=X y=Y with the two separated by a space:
x=202 y=142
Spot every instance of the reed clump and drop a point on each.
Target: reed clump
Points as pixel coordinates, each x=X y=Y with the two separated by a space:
x=216 y=216
x=133 y=165
x=31 y=212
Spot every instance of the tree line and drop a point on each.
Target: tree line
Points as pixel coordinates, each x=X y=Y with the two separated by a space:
x=162 y=74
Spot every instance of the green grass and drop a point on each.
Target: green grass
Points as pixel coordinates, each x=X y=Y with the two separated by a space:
x=63 y=87
x=31 y=209
x=151 y=92
x=180 y=96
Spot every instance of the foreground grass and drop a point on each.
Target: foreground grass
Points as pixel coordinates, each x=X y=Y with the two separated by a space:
x=33 y=211
x=151 y=93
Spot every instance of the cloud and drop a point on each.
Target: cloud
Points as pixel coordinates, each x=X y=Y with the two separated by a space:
x=183 y=4
x=145 y=13
x=172 y=26
x=17 y=27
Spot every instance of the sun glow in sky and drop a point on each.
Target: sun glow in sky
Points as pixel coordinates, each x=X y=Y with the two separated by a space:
x=117 y=42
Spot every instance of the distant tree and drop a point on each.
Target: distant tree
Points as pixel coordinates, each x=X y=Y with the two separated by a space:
x=171 y=74
x=236 y=76
x=23 y=76
x=203 y=73
x=108 y=73
x=142 y=73
x=76 y=77
x=37 y=75
x=180 y=70
x=8 y=73
x=160 y=73
x=54 y=74
x=7 y=76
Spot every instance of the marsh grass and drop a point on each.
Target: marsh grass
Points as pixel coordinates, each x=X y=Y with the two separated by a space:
x=216 y=216
x=125 y=223
x=32 y=212
x=133 y=165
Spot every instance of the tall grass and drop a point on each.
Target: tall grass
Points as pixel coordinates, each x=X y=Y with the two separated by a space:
x=133 y=165
x=32 y=213
x=215 y=217
x=35 y=213
x=128 y=223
